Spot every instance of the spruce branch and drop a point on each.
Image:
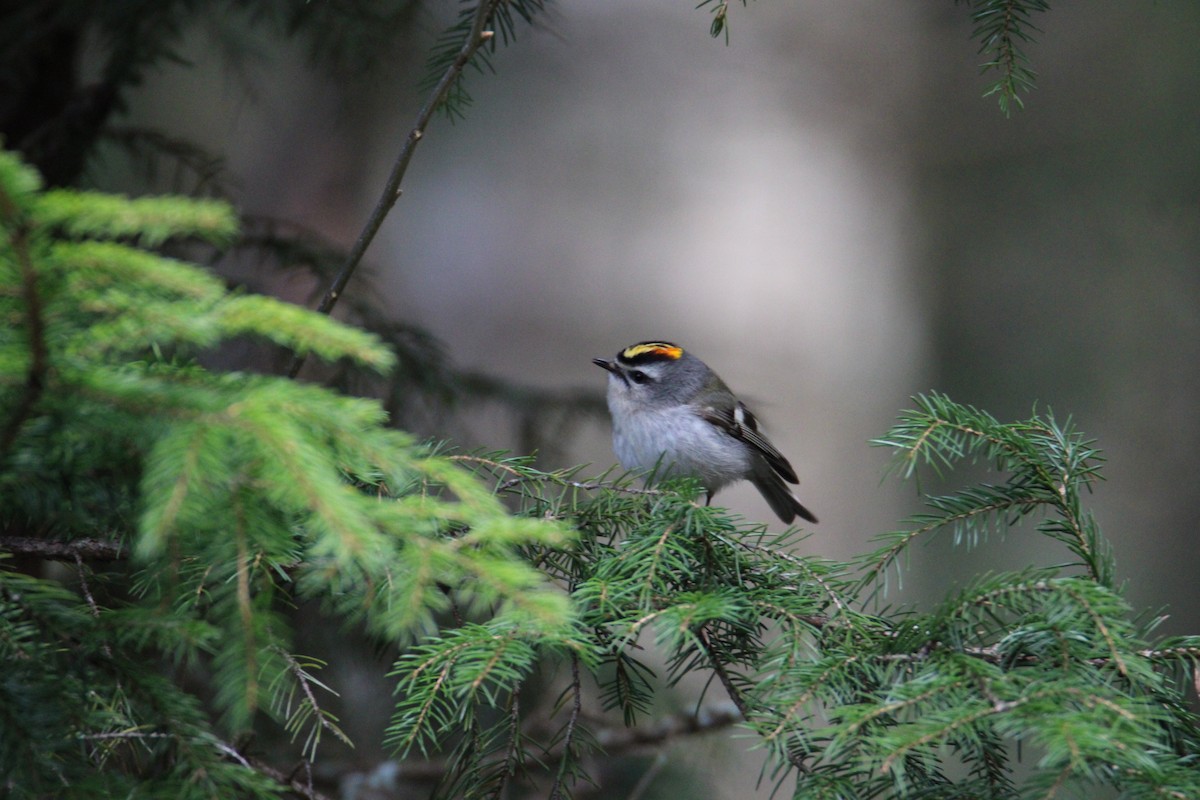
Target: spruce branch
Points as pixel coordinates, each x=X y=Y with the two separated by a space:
x=659 y=731
x=735 y=694
x=251 y=493
x=1000 y=27
x=720 y=17
x=1049 y=466
x=35 y=379
x=309 y=707
x=475 y=37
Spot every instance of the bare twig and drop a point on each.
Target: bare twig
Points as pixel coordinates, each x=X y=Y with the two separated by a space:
x=616 y=741
x=587 y=486
x=83 y=585
x=233 y=753
x=664 y=729
x=303 y=788
x=391 y=190
x=87 y=549
x=992 y=655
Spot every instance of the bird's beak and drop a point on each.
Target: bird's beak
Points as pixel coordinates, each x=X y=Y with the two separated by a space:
x=605 y=364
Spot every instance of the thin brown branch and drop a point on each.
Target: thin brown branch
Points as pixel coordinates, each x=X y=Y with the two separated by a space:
x=555 y=478
x=568 y=741
x=723 y=675
x=664 y=729
x=83 y=586
x=734 y=693
x=391 y=190
x=100 y=737
x=512 y=754
x=616 y=741
x=86 y=549
x=303 y=788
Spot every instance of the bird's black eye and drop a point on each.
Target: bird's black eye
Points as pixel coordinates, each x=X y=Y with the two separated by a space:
x=637 y=376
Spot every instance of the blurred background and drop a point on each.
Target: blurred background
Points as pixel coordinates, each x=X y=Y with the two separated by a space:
x=825 y=210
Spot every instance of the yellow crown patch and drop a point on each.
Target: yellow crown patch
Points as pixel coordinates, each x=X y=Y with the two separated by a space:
x=651 y=349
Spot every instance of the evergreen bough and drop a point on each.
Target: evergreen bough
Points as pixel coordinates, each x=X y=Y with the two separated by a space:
x=209 y=503
x=1038 y=683
x=193 y=508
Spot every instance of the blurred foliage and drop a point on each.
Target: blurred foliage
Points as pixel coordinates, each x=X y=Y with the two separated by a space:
x=57 y=122
x=1002 y=27
x=221 y=499
x=55 y=119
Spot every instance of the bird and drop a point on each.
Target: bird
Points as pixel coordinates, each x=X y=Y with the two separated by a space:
x=672 y=412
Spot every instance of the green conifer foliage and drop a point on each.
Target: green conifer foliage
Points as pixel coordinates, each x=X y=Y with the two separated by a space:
x=1032 y=684
x=215 y=499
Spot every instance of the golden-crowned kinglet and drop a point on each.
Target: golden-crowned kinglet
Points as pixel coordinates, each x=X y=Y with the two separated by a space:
x=669 y=410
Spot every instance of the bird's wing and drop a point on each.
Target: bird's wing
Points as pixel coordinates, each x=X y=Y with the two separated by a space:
x=739 y=423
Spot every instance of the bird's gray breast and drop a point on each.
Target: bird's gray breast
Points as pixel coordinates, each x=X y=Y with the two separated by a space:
x=683 y=443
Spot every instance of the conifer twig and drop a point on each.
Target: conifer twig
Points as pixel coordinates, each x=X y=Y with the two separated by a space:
x=734 y=693
x=305 y=681
x=391 y=190
x=569 y=735
x=35 y=380
x=302 y=788
x=553 y=477
x=511 y=754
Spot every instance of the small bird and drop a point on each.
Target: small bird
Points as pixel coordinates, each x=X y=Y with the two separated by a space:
x=668 y=408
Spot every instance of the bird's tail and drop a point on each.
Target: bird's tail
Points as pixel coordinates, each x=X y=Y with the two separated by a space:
x=785 y=504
